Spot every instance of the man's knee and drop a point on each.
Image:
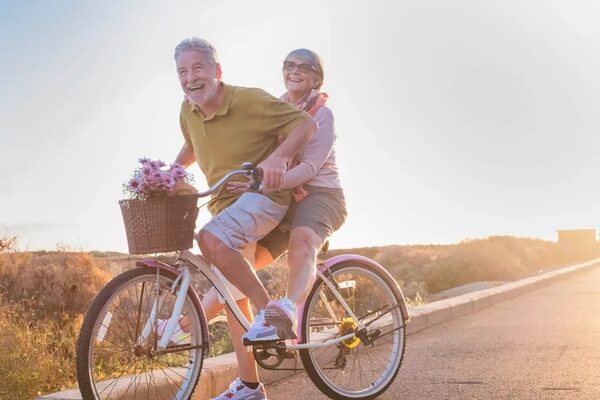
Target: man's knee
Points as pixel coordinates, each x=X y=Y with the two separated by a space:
x=209 y=244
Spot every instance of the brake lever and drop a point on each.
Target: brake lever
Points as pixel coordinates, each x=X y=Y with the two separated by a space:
x=256 y=175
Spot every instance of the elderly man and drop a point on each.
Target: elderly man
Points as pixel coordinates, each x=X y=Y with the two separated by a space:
x=224 y=126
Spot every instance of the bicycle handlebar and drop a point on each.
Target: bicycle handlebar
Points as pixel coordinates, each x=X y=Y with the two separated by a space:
x=247 y=169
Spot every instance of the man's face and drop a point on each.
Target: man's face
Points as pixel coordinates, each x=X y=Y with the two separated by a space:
x=198 y=76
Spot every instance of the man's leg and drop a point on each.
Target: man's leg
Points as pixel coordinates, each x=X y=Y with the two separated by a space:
x=212 y=304
x=246 y=221
x=247 y=366
x=234 y=267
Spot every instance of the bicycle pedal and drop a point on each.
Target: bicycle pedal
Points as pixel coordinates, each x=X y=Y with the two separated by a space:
x=266 y=344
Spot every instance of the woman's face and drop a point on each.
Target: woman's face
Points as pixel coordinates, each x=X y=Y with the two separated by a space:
x=299 y=77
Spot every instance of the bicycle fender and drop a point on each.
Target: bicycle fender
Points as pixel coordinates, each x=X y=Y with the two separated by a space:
x=367 y=261
x=156 y=264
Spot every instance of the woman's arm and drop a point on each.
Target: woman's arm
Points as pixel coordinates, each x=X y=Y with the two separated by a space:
x=316 y=151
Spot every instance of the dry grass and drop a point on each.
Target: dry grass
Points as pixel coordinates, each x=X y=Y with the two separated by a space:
x=43 y=298
x=44 y=295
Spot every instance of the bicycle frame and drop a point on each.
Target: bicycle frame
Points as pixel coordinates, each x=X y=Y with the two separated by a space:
x=204 y=267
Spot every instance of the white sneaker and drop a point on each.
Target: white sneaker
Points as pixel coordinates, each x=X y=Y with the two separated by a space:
x=282 y=315
x=237 y=390
x=260 y=331
x=179 y=335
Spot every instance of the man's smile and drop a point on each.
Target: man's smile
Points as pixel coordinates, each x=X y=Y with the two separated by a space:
x=196 y=87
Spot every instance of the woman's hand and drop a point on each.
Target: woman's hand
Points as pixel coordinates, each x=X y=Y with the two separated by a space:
x=273 y=170
x=299 y=193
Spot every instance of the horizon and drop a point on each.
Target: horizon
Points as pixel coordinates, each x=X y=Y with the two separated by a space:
x=454 y=120
x=65 y=246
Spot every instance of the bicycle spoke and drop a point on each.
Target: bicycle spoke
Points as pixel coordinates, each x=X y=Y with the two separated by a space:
x=366 y=369
x=122 y=365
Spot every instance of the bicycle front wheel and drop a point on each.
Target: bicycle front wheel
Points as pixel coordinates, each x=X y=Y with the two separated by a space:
x=355 y=368
x=117 y=353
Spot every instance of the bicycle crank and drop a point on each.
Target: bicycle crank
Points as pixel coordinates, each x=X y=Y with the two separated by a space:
x=272 y=355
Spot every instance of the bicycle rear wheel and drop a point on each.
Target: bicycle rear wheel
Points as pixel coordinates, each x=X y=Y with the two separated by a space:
x=351 y=369
x=116 y=349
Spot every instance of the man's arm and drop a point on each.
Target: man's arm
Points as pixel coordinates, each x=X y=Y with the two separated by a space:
x=274 y=166
x=186 y=156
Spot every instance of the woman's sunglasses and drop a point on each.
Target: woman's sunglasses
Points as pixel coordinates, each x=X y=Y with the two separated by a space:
x=304 y=68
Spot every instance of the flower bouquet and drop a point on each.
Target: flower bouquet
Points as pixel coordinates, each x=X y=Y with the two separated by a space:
x=160 y=214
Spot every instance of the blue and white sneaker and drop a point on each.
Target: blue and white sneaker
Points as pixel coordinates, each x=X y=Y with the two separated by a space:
x=238 y=391
x=282 y=315
x=260 y=331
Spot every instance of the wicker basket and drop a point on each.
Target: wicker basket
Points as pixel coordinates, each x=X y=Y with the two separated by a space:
x=160 y=224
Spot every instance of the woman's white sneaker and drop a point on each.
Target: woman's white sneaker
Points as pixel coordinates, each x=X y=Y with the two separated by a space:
x=282 y=315
x=260 y=331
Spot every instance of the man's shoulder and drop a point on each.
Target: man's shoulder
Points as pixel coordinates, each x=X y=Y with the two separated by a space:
x=186 y=108
x=251 y=94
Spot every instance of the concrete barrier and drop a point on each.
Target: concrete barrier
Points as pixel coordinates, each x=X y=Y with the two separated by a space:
x=219 y=372
x=427 y=315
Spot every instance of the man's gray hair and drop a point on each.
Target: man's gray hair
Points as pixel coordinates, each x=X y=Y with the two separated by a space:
x=195 y=43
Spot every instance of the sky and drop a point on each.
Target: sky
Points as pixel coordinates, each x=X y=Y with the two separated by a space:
x=455 y=120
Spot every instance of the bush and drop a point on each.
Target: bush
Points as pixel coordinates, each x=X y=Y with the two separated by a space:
x=37 y=357
x=42 y=300
x=55 y=285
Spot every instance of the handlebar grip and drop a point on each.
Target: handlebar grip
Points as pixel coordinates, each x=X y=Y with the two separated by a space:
x=257 y=175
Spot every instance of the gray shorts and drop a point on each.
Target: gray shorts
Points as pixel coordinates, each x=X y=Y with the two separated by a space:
x=323 y=211
x=246 y=221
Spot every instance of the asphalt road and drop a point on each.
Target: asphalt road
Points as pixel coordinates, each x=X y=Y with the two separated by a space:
x=543 y=345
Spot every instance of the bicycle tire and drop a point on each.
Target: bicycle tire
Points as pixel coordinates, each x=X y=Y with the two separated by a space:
x=106 y=347
x=367 y=288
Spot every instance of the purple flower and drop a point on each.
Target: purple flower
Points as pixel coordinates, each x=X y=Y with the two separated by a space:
x=135 y=185
x=169 y=182
x=157 y=164
x=151 y=180
x=177 y=173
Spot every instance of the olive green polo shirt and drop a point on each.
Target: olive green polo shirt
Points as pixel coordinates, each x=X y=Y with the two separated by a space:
x=246 y=127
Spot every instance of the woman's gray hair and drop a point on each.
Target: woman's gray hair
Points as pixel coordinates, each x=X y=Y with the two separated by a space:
x=311 y=58
x=195 y=43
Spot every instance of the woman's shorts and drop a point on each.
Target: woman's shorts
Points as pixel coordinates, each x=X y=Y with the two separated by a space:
x=323 y=211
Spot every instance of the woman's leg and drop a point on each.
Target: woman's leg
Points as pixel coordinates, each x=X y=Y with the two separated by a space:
x=211 y=304
x=302 y=260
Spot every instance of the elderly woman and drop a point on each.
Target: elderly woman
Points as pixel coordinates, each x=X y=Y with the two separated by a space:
x=318 y=211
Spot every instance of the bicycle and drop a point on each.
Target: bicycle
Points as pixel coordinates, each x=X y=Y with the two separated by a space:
x=350 y=338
